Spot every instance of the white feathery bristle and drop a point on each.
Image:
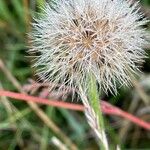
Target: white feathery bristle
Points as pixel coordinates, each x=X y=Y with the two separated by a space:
x=75 y=37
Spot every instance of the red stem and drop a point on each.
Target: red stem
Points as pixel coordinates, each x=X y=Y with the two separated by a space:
x=106 y=107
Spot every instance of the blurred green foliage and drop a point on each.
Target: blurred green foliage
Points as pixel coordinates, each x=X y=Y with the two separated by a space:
x=20 y=128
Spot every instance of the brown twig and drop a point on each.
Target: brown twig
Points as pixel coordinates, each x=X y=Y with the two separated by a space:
x=106 y=107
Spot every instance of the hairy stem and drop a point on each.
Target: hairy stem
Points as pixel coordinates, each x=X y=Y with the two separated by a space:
x=94 y=96
x=93 y=112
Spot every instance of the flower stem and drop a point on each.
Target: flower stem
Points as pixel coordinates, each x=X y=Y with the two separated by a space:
x=94 y=97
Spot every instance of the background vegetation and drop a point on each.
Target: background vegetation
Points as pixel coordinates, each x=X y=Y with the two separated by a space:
x=21 y=124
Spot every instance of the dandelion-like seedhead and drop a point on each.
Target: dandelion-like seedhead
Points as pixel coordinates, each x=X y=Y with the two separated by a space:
x=76 y=37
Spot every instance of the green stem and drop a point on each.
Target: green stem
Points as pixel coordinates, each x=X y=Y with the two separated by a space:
x=94 y=97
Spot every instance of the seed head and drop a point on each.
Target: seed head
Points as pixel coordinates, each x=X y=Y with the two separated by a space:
x=76 y=37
